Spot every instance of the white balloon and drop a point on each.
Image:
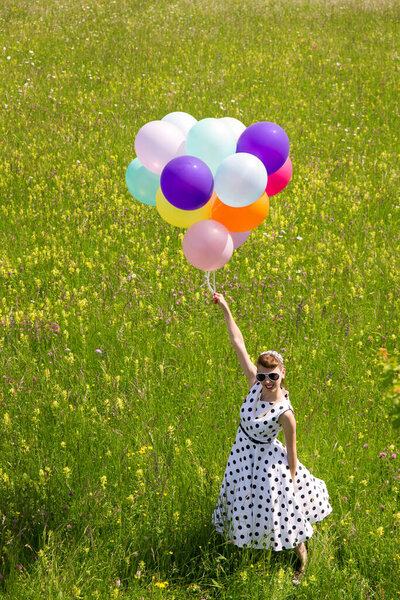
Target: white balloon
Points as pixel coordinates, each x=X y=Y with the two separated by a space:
x=240 y=180
x=180 y=119
x=236 y=126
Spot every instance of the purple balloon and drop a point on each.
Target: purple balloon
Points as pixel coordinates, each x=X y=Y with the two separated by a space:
x=239 y=237
x=187 y=182
x=268 y=142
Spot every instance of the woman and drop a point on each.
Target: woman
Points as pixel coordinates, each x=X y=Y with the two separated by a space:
x=267 y=497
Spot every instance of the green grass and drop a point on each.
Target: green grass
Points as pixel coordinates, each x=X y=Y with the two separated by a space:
x=111 y=462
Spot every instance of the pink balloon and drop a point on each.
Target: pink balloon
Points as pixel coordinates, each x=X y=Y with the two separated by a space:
x=157 y=143
x=207 y=245
x=239 y=237
x=279 y=180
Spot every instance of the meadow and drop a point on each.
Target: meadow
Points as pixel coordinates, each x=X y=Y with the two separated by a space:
x=119 y=387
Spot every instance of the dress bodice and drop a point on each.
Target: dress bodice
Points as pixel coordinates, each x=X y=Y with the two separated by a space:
x=259 y=418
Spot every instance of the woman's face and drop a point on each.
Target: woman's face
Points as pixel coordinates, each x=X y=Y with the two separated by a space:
x=267 y=384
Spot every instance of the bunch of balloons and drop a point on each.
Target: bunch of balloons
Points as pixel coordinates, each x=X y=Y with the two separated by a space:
x=212 y=177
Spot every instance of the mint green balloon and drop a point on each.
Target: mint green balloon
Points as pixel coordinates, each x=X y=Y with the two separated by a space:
x=211 y=140
x=142 y=183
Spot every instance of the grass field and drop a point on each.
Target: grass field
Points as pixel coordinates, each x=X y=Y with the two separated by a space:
x=120 y=390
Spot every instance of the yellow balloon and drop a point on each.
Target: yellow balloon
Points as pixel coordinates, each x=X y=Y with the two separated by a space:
x=177 y=216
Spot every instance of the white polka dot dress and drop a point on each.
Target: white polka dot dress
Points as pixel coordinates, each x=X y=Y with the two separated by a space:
x=258 y=504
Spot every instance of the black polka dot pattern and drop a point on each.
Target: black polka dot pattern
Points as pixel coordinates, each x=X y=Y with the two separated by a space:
x=259 y=505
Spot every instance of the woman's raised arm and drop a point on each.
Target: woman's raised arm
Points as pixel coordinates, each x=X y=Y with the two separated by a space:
x=234 y=332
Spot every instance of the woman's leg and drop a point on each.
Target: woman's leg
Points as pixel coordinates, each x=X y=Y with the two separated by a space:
x=301 y=552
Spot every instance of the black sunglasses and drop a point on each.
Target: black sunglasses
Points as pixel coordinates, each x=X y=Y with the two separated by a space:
x=271 y=376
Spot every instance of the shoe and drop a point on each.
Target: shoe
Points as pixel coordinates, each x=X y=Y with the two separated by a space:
x=298 y=575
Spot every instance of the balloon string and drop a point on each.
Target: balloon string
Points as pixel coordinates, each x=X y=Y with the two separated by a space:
x=212 y=289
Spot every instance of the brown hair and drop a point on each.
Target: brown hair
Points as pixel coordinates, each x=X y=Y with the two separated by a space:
x=269 y=361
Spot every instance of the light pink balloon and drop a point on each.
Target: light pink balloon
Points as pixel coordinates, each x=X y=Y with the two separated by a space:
x=157 y=143
x=207 y=245
x=279 y=180
x=239 y=237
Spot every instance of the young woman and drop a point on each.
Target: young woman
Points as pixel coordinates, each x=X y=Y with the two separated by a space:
x=267 y=497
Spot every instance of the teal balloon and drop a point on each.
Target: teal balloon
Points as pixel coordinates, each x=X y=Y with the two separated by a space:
x=142 y=183
x=211 y=140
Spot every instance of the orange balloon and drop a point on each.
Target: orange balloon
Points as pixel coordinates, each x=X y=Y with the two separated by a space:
x=242 y=218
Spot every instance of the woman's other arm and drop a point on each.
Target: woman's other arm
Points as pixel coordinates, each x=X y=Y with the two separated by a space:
x=288 y=422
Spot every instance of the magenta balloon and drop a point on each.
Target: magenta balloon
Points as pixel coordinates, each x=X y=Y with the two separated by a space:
x=207 y=245
x=279 y=180
x=187 y=182
x=239 y=237
x=266 y=140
